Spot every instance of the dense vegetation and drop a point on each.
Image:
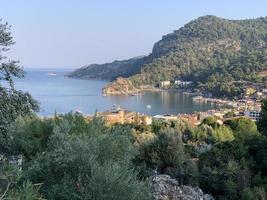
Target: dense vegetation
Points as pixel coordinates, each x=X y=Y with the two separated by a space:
x=220 y=56
x=110 y=71
x=13 y=103
x=68 y=157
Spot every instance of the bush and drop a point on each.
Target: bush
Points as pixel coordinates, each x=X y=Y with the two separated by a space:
x=87 y=165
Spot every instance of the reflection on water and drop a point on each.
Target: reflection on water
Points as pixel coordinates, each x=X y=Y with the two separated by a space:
x=57 y=93
x=164 y=102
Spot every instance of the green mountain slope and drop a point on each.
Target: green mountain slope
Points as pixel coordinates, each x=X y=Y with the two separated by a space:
x=217 y=54
x=110 y=71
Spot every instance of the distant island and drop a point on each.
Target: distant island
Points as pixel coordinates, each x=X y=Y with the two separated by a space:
x=217 y=56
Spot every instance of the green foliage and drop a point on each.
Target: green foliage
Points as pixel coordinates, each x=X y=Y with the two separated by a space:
x=27 y=191
x=211 y=131
x=202 y=133
x=242 y=127
x=76 y=159
x=110 y=71
x=229 y=114
x=30 y=135
x=158 y=124
x=165 y=154
x=258 y=148
x=256 y=193
x=210 y=121
x=13 y=103
x=262 y=122
x=220 y=56
x=222 y=134
x=238 y=166
x=91 y=164
x=10 y=186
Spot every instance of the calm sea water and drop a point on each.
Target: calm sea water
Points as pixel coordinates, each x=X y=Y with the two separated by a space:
x=61 y=94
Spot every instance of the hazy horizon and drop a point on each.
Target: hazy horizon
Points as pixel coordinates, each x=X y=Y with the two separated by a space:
x=68 y=34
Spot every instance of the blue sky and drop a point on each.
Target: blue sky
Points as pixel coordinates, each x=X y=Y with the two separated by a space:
x=72 y=33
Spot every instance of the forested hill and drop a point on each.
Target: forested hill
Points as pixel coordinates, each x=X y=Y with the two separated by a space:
x=217 y=54
x=110 y=71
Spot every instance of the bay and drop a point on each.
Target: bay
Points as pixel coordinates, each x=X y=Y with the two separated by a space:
x=56 y=93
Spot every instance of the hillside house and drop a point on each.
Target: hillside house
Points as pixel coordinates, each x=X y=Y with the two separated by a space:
x=163 y=84
x=181 y=83
x=166 y=117
x=252 y=114
x=120 y=116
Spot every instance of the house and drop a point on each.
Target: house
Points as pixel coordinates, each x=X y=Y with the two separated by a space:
x=16 y=161
x=252 y=114
x=145 y=120
x=192 y=119
x=119 y=116
x=182 y=83
x=163 y=84
x=166 y=117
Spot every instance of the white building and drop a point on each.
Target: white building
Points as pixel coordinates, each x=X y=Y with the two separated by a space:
x=252 y=114
x=165 y=117
x=164 y=83
x=182 y=83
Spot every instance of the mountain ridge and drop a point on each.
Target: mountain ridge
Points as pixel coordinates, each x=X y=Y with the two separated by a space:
x=213 y=52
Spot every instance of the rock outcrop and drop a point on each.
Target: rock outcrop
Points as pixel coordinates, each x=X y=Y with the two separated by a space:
x=121 y=86
x=163 y=187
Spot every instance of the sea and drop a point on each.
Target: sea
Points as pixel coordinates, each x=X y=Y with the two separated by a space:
x=57 y=93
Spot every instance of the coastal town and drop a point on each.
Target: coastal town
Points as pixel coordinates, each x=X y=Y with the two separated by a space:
x=248 y=106
x=245 y=108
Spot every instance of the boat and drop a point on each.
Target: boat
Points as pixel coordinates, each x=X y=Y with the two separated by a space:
x=135 y=94
x=198 y=98
x=79 y=111
x=148 y=106
x=51 y=74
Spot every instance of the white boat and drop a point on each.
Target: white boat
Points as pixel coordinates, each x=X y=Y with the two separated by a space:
x=79 y=111
x=51 y=74
x=198 y=98
x=135 y=94
x=148 y=106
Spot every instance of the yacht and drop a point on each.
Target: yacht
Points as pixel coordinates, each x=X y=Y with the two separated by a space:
x=51 y=74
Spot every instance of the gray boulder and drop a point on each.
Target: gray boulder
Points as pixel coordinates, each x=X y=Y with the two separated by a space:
x=163 y=187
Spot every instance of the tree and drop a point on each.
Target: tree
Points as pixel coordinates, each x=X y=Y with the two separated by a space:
x=91 y=164
x=242 y=127
x=211 y=121
x=262 y=122
x=222 y=134
x=30 y=135
x=165 y=154
x=13 y=103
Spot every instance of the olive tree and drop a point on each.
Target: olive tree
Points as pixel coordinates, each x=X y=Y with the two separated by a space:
x=13 y=103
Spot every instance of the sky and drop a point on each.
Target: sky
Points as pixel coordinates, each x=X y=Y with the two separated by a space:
x=74 y=33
